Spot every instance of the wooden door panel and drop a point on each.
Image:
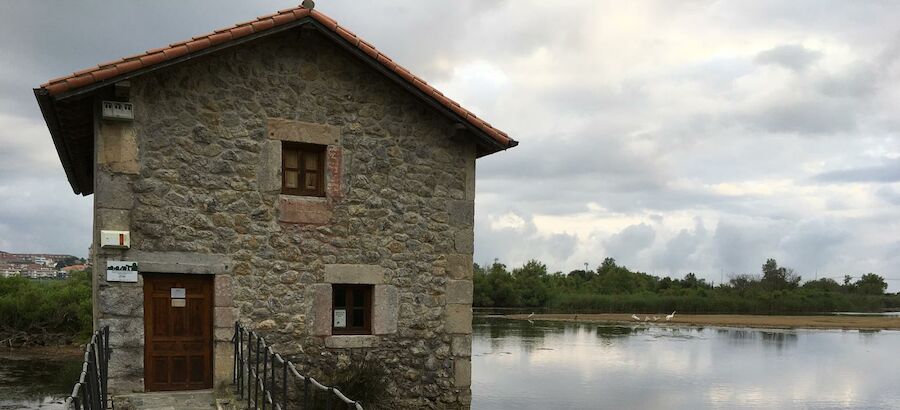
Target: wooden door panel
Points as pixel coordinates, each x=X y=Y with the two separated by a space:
x=179 y=337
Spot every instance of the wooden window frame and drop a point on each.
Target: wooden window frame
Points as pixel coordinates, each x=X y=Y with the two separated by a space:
x=349 y=307
x=301 y=149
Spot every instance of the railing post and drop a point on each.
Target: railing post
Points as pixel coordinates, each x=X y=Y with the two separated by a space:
x=272 y=378
x=234 y=347
x=284 y=384
x=104 y=368
x=328 y=398
x=306 y=393
x=241 y=390
x=249 y=360
x=91 y=380
x=259 y=341
x=265 y=372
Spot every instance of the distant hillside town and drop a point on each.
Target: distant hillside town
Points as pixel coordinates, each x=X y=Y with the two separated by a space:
x=39 y=265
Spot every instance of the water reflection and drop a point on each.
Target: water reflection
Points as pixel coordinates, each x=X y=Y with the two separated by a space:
x=34 y=381
x=540 y=365
x=776 y=339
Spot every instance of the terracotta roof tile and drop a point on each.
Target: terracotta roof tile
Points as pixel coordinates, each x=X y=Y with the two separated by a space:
x=152 y=59
x=105 y=73
x=176 y=52
x=383 y=59
x=81 y=81
x=126 y=65
x=241 y=31
x=199 y=44
x=85 y=71
x=219 y=38
x=263 y=25
x=404 y=73
x=283 y=18
x=56 y=87
x=267 y=16
x=369 y=49
x=324 y=20
x=347 y=35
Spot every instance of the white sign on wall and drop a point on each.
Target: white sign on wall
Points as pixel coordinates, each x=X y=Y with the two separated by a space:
x=177 y=293
x=121 y=271
x=340 y=318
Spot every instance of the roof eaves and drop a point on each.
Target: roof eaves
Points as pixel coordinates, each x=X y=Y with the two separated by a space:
x=45 y=102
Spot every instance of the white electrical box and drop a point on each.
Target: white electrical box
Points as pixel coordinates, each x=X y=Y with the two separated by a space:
x=116 y=110
x=115 y=239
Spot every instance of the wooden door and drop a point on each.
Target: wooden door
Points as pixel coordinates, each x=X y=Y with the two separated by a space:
x=178 y=332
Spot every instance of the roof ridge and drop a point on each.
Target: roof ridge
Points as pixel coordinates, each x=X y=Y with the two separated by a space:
x=125 y=65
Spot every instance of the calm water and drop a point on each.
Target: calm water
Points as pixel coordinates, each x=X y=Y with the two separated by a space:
x=547 y=365
x=36 y=381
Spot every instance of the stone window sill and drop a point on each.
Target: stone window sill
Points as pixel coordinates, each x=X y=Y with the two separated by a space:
x=308 y=198
x=351 y=341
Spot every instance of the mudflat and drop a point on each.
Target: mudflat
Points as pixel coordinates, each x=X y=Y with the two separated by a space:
x=754 y=321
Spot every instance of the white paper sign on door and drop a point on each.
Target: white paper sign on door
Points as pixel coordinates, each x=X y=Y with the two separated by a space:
x=340 y=318
x=177 y=293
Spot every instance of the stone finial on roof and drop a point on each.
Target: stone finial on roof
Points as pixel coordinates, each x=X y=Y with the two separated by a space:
x=308 y=4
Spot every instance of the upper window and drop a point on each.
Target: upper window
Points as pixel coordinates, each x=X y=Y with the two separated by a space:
x=352 y=312
x=302 y=169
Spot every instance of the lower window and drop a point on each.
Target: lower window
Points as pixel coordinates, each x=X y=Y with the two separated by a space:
x=352 y=309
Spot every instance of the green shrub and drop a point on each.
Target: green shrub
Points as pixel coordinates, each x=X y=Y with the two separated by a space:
x=364 y=381
x=39 y=307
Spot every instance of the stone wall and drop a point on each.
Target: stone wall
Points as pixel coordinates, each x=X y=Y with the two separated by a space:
x=400 y=202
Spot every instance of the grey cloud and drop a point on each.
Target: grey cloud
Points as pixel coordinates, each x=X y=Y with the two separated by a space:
x=791 y=56
x=858 y=81
x=680 y=251
x=741 y=247
x=889 y=194
x=889 y=171
x=813 y=115
x=626 y=245
x=35 y=218
x=811 y=245
x=519 y=244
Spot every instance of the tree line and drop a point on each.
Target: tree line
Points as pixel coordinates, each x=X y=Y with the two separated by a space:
x=615 y=288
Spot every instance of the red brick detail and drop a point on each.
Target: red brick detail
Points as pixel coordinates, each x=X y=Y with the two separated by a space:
x=333 y=160
x=304 y=210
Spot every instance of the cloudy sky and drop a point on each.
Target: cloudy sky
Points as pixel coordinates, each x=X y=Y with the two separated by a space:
x=700 y=136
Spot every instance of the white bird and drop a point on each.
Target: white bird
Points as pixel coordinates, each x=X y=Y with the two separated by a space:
x=655 y=318
x=635 y=317
x=531 y=315
x=669 y=317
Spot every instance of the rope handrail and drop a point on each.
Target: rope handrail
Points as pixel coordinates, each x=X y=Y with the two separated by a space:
x=90 y=390
x=262 y=386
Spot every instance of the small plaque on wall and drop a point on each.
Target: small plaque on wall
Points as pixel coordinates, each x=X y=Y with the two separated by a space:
x=121 y=271
x=179 y=302
x=177 y=293
x=340 y=318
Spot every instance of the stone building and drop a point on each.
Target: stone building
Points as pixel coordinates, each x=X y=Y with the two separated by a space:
x=285 y=174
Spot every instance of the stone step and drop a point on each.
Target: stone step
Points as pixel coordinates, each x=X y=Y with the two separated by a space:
x=186 y=400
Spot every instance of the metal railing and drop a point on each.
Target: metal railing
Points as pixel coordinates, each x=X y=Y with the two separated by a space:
x=89 y=392
x=278 y=385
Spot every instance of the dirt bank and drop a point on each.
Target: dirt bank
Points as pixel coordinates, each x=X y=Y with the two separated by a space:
x=777 y=322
